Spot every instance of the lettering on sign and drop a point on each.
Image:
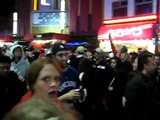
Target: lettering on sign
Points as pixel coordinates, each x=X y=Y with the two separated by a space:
x=44 y=2
x=122 y=32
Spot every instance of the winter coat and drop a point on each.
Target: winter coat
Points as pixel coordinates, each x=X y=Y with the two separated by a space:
x=22 y=65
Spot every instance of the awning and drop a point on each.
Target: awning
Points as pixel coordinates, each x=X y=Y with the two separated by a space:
x=127 y=31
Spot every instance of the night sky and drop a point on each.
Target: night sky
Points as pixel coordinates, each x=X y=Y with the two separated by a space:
x=7 y=7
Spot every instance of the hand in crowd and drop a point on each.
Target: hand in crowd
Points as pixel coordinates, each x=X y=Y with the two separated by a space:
x=71 y=95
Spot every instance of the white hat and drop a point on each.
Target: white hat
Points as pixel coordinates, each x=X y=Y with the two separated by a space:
x=81 y=49
x=99 y=50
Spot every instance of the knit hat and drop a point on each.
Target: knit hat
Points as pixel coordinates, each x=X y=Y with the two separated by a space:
x=81 y=49
x=99 y=50
x=58 y=47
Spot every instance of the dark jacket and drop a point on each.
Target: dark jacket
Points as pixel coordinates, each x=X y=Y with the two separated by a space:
x=115 y=93
x=69 y=81
x=102 y=75
x=11 y=90
x=75 y=60
x=139 y=96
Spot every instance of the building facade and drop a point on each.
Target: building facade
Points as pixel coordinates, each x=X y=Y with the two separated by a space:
x=23 y=8
x=85 y=16
x=130 y=22
x=44 y=16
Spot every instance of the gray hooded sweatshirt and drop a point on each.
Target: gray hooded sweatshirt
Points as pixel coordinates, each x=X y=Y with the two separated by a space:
x=22 y=65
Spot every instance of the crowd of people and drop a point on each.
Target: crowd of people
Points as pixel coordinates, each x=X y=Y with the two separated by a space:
x=78 y=85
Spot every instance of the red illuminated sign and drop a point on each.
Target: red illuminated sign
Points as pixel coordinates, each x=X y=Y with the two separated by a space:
x=126 y=31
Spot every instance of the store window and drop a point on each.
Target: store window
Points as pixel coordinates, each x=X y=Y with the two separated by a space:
x=143 y=7
x=119 y=8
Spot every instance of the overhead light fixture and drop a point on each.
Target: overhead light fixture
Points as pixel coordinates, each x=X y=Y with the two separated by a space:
x=15 y=24
x=131 y=19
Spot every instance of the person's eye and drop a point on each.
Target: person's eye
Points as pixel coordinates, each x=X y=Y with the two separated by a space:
x=46 y=79
x=66 y=54
x=60 y=55
x=57 y=79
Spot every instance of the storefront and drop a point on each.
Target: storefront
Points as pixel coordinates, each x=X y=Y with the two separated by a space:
x=134 y=32
x=45 y=40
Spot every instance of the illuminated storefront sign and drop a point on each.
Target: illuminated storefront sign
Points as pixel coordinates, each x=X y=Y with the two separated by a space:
x=134 y=32
x=48 y=18
x=126 y=31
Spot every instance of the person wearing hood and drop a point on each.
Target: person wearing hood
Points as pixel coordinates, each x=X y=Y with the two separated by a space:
x=19 y=62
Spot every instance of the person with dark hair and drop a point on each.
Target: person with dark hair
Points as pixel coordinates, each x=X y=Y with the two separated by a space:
x=133 y=56
x=139 y=90
x=115 y=90
x=135 y=68
x=11 y=89
x=115 y=62
x=96 y=78
x=71 y=89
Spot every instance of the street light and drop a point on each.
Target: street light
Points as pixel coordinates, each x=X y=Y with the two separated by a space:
x=15 y=24
x=62 y=15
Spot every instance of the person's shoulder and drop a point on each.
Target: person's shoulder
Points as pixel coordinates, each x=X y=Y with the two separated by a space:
x=24 y=62
x=136 y=80
x=14 y=79
x=26 y=96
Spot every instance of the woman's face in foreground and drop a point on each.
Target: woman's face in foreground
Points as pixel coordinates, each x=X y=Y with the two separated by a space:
x=47 y=83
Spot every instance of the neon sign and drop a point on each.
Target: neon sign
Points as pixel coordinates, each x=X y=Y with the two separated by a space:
x=130 y=19
x=125 y=32
x=136 y=31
